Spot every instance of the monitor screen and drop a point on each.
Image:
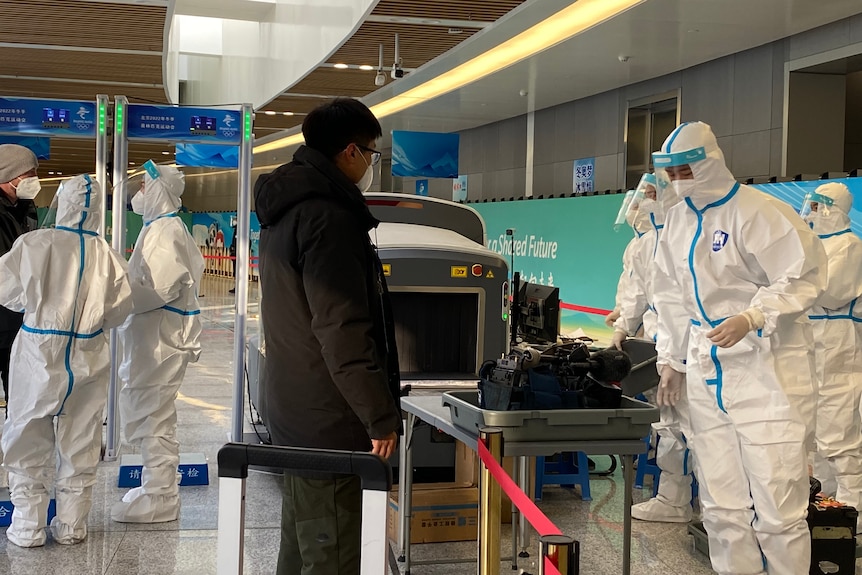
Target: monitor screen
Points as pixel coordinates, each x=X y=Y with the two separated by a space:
x=203 y=125
x=539 y=314
x=55 y=118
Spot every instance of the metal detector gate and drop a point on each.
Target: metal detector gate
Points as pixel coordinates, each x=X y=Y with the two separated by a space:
x=180 y=124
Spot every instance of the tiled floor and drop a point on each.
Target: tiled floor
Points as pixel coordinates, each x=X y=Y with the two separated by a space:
x=188 y=546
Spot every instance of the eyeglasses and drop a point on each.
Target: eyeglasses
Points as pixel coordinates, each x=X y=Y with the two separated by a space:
x=375 y=155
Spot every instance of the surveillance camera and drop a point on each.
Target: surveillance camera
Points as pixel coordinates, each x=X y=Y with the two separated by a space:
x=380 y=78
x=397 y=72
x=623 y=58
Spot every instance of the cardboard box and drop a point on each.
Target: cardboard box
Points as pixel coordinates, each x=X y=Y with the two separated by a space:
x=467 y=472
x=441 y=513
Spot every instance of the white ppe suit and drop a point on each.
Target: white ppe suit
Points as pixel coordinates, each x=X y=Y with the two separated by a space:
x=72 y=286
x=837 y=320
x=673 y=499
x=640 y=226
x=158 y=341
x=732 y=255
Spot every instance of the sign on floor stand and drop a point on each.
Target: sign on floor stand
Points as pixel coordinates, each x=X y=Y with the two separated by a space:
x=225 y=126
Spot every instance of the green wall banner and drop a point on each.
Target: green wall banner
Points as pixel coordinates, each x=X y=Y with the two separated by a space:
x=569 y=243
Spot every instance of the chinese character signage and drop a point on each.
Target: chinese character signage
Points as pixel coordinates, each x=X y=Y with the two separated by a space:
x=47 y=117
x=584 y=176
x=207 y=125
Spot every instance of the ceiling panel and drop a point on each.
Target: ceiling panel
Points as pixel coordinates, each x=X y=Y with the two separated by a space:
x=481 y=10
x=81 y=23
x=86 y=65
x=78 y=91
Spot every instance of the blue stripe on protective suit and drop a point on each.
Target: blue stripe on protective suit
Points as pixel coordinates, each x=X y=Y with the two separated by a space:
x=173 y=215
x=718 y=381
x=181 y=311
x=81 y=230
x=62 y=333
x=832 y=235
x=850 y=315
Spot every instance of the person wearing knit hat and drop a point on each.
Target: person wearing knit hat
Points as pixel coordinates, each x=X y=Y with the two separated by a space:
x=18 y=186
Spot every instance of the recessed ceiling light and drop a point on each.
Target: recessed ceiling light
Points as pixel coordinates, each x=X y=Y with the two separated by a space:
x=59 y=173
x=166 y=153
x=366 y=67
x=50 y=173
x=288 y=113
x=341 y=66
x=131 y=163
x=270 y=113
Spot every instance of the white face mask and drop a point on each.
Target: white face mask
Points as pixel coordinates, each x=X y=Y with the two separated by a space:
x=365 y=183
x=28 y=188
x=138 y=203
x=684 y=188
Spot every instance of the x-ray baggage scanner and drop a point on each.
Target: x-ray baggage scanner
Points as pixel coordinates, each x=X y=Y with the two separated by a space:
x=449 y=291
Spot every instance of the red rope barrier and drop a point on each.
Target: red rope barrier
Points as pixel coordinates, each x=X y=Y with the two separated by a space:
x=585 y=309
x=525 y=505
x=550 y=568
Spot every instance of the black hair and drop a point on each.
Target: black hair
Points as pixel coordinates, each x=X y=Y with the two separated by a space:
x=333 y=126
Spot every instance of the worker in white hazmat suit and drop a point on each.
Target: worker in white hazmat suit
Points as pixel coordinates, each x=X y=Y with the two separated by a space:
x=837 y=320
x=158 y=342
x=736 y=272
x=72 y=287
x=627 y=215
x=672 y=502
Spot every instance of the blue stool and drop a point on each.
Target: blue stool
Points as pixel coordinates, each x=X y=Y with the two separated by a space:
x=647 y=466
x=565 y=473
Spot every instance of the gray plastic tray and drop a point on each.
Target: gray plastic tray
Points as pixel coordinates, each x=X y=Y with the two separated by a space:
x=644 y=375
x=631 y=421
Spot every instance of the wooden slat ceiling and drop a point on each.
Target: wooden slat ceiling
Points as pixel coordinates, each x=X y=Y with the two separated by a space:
x=95 y=29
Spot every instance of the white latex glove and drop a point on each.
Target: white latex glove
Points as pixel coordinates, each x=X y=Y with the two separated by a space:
x=612 y=317
x=618 y=338
x=733 y=329
x=670 y=387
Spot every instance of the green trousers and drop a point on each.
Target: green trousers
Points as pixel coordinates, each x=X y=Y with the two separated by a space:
x=321 y=521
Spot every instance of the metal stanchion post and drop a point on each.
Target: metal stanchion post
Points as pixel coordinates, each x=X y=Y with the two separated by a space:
x=489 y=504
x=523 y=527
x=516 y=515
x=562 y=550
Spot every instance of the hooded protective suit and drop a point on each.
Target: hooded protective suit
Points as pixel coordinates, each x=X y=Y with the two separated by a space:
x=641 y=226
x=673 y=500
x=72 y=286
x=159 y=341
x=838 y=344
x=737 y=268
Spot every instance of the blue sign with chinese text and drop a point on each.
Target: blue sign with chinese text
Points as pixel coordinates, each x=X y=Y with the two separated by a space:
x=48 y=117
x=584 y=176
x=208 y=125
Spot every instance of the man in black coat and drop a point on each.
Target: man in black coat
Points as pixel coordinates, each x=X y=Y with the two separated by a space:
x=18 y=186
x=331 y=379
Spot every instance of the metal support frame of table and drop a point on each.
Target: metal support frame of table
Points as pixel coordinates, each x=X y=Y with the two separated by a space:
x=430 y=409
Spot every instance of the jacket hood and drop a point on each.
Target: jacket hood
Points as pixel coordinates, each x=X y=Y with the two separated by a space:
x=309 y=175
x=79 y=204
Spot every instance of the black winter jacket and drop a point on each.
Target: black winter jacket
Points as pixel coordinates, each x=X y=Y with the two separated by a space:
x=331 y=378
x=14 y=221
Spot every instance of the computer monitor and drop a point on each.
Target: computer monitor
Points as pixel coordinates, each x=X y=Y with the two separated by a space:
x=539 y=313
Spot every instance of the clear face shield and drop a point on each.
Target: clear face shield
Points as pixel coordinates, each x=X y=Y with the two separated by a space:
x=628 y=209
x=673 y=173
x=816 y=205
